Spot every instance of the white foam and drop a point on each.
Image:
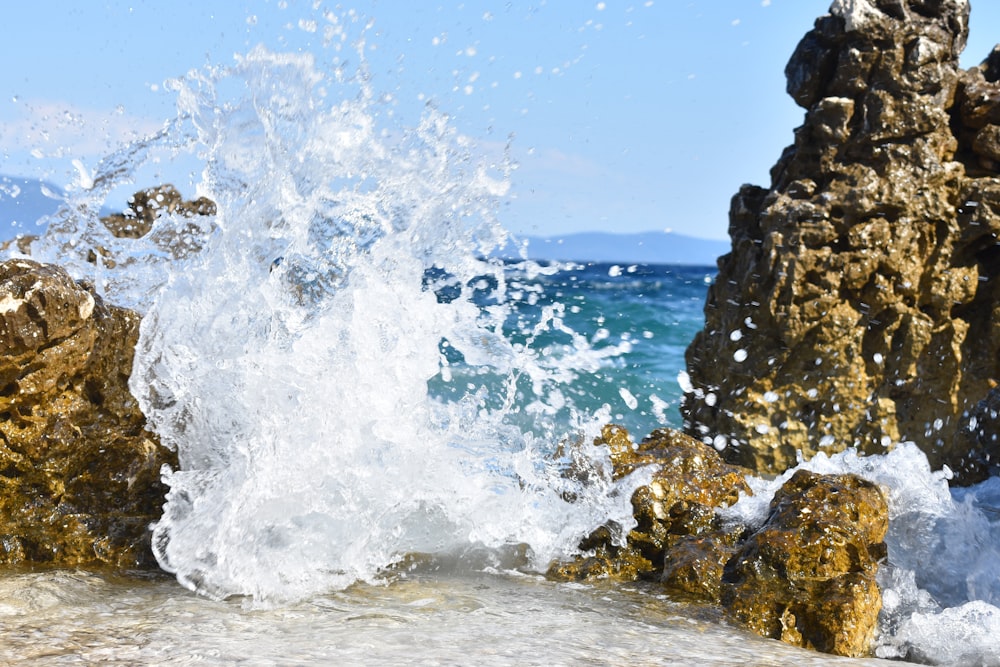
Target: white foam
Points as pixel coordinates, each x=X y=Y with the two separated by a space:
x=288 y=354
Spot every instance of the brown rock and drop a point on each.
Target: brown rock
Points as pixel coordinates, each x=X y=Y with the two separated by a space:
x=79 y=474
x=690 y=482
x=147 y=205
x=858 y=304
x=807 y=576
x=179 y=239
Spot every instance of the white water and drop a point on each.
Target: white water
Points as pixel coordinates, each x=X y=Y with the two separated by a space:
x=287 y=349
x=288 y=360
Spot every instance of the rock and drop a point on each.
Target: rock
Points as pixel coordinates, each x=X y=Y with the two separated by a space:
x=807 y=576
x=79 y=474
x=680 y=501
x=980 y=438
x=858 y=306
x=147 y=205
x=178 y=239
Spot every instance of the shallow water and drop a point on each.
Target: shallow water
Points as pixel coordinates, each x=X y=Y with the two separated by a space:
x=482 y=618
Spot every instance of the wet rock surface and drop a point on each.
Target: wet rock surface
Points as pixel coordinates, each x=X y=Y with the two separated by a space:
x=184 y=235
x=79 y=474
x=679 y=502
x=806 y=576
x=145 y=206
x=859 y=304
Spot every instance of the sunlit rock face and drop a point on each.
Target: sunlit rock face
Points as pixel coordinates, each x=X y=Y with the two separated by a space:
x=858 y=306
x=79 y=474
x=807 y=576
x=676 y=509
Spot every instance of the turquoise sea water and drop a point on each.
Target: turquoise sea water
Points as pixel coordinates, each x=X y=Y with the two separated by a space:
x=637 y=320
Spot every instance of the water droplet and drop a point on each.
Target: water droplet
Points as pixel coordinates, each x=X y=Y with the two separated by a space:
x=740 y=355
x=735 y=335
x=630 y=400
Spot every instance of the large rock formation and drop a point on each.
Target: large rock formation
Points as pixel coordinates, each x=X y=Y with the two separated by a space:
x=806 y=576
x=79 y=474
x=859 y=305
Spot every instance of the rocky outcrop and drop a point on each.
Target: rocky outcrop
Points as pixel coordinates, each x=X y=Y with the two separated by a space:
x=807 y=576
x=690 y=481
x=185 y=237
x=145 y=206
x=79 y=474
x=859 y=304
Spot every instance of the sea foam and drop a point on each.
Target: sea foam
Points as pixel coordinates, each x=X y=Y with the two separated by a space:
x=290 y=343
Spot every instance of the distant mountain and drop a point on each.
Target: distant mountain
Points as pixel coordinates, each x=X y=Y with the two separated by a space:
x=22 y=202
x=641 y=248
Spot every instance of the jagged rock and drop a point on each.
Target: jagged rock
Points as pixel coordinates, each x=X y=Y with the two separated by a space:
x=680 y=501
x=147 y=205
x=859 y=304
x=180 y=239
x=807 y=576
x=79 y=474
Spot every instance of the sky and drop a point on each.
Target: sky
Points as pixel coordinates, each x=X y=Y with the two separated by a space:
x=631 y=116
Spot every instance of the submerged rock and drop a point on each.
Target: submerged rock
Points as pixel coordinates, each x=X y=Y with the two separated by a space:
x=859 y=304
x=79 y=474
x=807 y=576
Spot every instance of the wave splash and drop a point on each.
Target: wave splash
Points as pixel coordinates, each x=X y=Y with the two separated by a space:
x=298 y=346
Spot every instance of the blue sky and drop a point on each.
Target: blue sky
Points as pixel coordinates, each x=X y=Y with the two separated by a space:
x=626 y=116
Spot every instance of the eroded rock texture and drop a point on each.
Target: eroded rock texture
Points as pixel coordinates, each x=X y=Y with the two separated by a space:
x=79 y=474
x=807 y=576
x=676 y=507
x=145 y=206
x=859 y=304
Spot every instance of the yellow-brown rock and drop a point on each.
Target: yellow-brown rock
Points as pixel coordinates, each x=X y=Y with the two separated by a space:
x=79 y=474
x=807 y=576
x=690 y=482
x=145 y=206
x=858 y=305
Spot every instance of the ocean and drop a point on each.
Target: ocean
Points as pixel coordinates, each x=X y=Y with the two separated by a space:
x=385 y=436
